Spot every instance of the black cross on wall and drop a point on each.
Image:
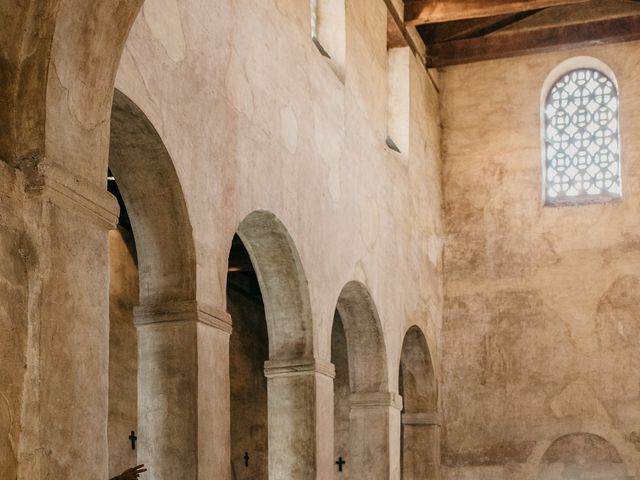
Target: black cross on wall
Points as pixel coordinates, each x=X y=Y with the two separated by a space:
x=340 y=463
x=133 y=439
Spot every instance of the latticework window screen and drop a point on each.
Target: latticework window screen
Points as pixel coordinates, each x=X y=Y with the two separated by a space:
x=582 y=138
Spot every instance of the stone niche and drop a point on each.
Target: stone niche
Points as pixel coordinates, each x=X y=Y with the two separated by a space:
x=582 y=456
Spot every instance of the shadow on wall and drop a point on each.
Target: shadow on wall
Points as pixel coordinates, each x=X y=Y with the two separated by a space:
x=582 y=456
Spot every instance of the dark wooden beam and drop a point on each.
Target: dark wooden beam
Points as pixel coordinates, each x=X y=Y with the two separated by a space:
x=394 y=16
x=446 y=32
x=420 y=12
x=395 y=36
x=510 y=44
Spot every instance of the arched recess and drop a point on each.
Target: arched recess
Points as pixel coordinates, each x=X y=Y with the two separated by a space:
x=420 y=434
x=283 y=285
x=292 y=372
x=364 y=409
x=153 y=197
x=365 y=340
x=161 y=361
x=582 y=456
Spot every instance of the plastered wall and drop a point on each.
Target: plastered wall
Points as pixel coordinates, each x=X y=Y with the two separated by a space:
x=541 y=309
x=254 y=117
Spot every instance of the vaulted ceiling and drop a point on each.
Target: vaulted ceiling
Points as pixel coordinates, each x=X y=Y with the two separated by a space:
x=464 y=31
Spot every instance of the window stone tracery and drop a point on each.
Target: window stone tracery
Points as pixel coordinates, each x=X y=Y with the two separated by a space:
x=582 y=138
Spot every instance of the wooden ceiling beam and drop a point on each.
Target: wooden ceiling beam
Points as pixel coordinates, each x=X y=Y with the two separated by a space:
x=464 y=28
x=421 y=12
x=503 y=45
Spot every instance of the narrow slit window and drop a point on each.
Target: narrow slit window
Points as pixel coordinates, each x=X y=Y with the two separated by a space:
x=328 y=31
x=582 y=139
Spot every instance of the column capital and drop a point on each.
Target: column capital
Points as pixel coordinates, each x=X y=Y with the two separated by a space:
x=188 y=311
x=376 y=400
x=298 y=366
x=74 y=193
x=432 y=419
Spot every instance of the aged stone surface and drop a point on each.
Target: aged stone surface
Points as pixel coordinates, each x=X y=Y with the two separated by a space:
x=541 y=302
x=249 y=424
x=123 y=351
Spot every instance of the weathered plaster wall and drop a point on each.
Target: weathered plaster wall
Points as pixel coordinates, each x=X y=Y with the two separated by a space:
x=15 y=252
x=255 y=118
x=123 y=351
x=542 y=313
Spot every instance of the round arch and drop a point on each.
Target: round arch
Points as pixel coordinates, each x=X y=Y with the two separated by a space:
x=417 y=376
x=420 y=432
x=151 y=190
x=582 y=453
x=365 y=412
x=283 y=284
x=366 y=348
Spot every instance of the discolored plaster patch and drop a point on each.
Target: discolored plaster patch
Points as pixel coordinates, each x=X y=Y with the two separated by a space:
x=163 y=19
x=289 y=129
x=579 y=400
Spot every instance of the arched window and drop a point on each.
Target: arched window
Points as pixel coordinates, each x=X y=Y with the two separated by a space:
x=581 y=137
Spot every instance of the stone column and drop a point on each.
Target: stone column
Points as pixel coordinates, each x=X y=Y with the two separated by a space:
x=374 y=436
x=421 y=444
x=300 y=406
x=64 y=414
x=183 y=391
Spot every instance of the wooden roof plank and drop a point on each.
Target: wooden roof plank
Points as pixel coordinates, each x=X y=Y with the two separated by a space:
x=420 y=12
x=511 y=44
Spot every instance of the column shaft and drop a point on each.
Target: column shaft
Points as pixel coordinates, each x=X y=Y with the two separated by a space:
x=183 y=391
x=421 y=454
x=374 y=431
x=64 y=415
x=300 y=406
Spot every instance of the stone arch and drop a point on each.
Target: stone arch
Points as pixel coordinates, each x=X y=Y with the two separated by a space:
x=150 y=188
x=581 y=455
x=153 y=196
x=292 y=372
x=283 y=284
x=420 y=433
x=364 y=409
x=419 y=387
x=365 y=340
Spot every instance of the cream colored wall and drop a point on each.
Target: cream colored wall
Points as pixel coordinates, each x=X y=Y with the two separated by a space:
x=255 y=118
x=541 y=311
